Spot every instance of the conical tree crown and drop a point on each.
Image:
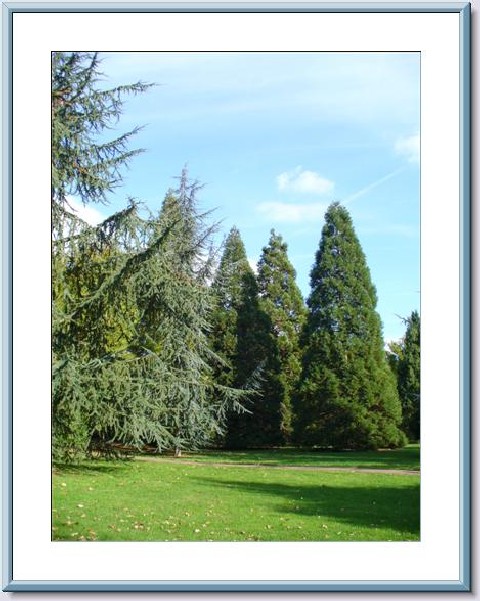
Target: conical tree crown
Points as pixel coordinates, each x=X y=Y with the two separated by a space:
x=343 y=298
x=191 y=230
x=277 y=286
x=281 y=300
x=240 y=336
x=348 y=396
x=234 y=280
x=233 y=286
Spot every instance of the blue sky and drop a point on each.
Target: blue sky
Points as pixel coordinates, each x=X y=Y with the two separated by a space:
x=276 y=137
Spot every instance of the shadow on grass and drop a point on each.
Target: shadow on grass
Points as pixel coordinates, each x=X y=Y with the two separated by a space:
x=407 y=458
x=91 y=468
x=396 y=508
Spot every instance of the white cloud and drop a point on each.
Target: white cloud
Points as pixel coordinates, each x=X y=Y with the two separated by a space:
x=88 y=213
x=304 y=182
x=283 y=212
x=409 y=148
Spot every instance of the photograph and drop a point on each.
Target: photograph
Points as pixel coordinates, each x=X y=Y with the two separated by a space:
x=260 y=310
x=237 y=322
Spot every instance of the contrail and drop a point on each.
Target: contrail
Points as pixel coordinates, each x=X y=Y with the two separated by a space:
x=373 y=185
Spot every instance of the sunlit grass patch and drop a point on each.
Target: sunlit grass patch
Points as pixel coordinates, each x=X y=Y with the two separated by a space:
x=407 y=458
x=157 y=501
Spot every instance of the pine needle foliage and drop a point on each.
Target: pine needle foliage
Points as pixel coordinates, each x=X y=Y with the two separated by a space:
x=347 y=398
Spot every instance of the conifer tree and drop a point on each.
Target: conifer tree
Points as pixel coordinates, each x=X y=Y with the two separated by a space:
x=130 y=308
x=409 y=377
x=132 y=360
x=177 y=316
x=83 y=258
x=394 y=353
x=231 y=278
x=281 y=299
x=240 y=336
x=82 y=165
x=348 y=397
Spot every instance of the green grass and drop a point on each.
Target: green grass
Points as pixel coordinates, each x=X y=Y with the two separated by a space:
x=407 y=458
x=174 y=501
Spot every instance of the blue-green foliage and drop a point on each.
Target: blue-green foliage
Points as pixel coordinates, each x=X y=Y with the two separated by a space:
x=130 y=303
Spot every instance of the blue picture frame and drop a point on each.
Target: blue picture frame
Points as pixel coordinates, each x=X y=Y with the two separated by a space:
x=10 y=584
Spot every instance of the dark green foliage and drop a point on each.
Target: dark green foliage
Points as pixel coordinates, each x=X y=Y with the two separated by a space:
x=146 y=351
x=240 y=336
x=394 y=353
x=281 y=300
x=233 y=285
x=409 y=377
x=348 y=397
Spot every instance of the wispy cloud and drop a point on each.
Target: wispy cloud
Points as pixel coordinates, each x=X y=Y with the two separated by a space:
x=303 y=181
x=409 y=148
x=282 y=212
x=372 y=186
x=346 y=87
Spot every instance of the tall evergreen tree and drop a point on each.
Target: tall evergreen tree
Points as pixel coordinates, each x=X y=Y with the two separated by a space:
x=132 y=359
x=348 y=397
x=87 y=168
x=182 y=315
x=130 y=310
x=233 y=285
x=281 y=299
x=240 y=336
x=409 y=377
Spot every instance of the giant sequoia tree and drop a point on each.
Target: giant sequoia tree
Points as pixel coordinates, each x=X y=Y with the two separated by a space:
x=281 y=299
x=348 y=397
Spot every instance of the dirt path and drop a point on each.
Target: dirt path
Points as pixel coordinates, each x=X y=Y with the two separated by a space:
x=363 y=470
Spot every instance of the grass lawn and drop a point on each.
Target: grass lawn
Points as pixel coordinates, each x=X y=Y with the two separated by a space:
x=407 y=458
x=166 y=500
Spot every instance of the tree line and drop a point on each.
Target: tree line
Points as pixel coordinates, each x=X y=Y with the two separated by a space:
x=160 y=339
